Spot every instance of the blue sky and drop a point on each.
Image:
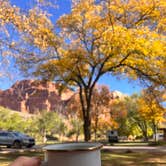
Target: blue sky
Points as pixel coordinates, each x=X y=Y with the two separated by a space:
x=64 y=7
x=123 y=85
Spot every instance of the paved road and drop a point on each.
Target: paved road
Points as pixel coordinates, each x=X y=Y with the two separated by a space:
x=136 y=148
x=108 y=148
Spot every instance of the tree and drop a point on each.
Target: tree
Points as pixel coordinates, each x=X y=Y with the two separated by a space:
x=146 y=110
x=126 y=113
x=49 y=123
x=134 y=117
x=100 y=109
x=151 y=108
x=124 y=38
x=100 y=104
x=11 y=120
x=5 y=116
x=75 y=127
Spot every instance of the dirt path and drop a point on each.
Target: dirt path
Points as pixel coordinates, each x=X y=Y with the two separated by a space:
x=105 y=148
x=136 y=148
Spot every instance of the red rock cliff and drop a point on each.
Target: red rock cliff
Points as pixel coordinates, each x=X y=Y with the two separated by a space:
x=32 y=96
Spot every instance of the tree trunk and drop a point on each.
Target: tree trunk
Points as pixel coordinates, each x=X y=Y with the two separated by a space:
x=164 y=134
x=155 y=131
x=85 y=94
x=95 y=133
x=44 y=136
x=85 y=99
x=144 y=129
x=87 y=129
x=96 y=125
x=145 y=135
x=77 y=136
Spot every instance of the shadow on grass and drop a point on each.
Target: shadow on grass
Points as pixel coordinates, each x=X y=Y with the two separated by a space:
x=133 y=159
x=109 y=158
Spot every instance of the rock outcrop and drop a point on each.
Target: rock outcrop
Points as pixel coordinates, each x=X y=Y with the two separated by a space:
x=117 y=94
x=32 y=96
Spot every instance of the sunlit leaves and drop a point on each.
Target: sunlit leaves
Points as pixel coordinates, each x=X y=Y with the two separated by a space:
x=150 y=105
x=35 y=26
x=122 y=36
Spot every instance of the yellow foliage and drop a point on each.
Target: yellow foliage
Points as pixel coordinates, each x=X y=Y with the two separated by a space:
x=124 y=37
x=150 y=110
x=124 y=33
x=35 y=23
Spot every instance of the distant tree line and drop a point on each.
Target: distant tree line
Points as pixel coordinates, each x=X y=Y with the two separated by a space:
x=138 y=115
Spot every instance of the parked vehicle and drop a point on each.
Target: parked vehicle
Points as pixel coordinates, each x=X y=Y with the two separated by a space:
x=15 y=139
x=26 y=140
x=158 y=136
x=112 y=136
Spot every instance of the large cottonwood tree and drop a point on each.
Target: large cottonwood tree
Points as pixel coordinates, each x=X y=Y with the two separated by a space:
x=151 y=107
x=120 y=37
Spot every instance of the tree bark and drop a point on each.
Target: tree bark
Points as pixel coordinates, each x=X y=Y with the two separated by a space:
x=85 y=99
x=96 y=124
x=155 y=130
x=144 y=129
x=87 y=129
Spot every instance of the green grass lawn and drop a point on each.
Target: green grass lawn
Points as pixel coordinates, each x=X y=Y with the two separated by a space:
x=108 y=158
x=133 y=159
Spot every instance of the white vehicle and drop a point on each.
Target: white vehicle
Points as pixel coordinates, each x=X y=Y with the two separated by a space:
x=25 y=139
x=10 y=140
x=15 y=139
x=159 y=136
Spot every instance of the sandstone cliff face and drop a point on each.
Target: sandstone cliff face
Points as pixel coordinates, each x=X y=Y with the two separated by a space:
x=32 y=96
